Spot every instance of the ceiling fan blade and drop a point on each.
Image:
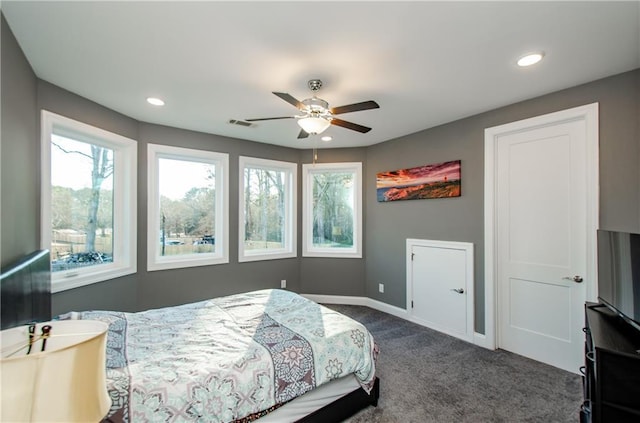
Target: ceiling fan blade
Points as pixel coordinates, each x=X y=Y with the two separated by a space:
x=350 y=125
x=303 y=134
x=271 y=118
x=365 y=105
x=290 y=99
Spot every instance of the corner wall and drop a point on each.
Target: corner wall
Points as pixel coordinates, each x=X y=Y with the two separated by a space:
x=334 y=276
x=178 y=286
x=388 y=225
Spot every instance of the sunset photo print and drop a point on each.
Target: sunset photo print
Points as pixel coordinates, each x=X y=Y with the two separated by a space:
x=440 y=180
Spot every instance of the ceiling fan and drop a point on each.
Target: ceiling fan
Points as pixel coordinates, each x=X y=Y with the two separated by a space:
x=316 y=116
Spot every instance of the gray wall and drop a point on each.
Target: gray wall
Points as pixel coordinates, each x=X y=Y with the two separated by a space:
x=19 y=177
x=386 y=225
x=23 y=96
x=145 y=289
x=329 y=275
x=178 y=286
x=461 y=219
x=119 y=293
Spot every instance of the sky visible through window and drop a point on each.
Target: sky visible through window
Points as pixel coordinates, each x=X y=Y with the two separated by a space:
x=67 y=170
x=176 y=176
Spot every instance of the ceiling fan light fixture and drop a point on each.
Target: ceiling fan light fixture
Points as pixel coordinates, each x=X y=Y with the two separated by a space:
x=316 y=116
x=313 y=125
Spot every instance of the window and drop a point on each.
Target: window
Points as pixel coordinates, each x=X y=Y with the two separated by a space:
x=267 y=218
x=89 y=193
x=188 y=208
x=332 y=210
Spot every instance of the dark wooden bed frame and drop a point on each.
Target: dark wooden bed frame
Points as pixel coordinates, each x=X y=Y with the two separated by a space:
x=26 y=298
x=344 y=407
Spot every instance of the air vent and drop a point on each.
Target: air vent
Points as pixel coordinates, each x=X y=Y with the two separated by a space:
x=240 y=122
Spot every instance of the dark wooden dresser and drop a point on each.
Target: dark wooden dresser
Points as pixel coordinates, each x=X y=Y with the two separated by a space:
x=611 y=374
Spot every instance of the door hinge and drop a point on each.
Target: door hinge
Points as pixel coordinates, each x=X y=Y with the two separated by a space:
x=411 y=303
x=412 y=254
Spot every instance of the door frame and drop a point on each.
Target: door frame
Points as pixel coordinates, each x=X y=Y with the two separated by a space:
x=589 y=115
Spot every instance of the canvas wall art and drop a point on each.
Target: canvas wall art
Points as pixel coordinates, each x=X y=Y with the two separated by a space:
x=439 y=180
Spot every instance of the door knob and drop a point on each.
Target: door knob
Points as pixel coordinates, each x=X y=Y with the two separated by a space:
x=458 y=290
x=576 y=278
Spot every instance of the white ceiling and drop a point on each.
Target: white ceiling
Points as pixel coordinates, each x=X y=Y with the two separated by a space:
x=425 y=63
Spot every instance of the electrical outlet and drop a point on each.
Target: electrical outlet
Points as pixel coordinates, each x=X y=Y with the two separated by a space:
x=381 y=287
x=283 y=284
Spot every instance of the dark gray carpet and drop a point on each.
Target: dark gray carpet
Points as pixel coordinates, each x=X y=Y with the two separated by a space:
x=427 y=376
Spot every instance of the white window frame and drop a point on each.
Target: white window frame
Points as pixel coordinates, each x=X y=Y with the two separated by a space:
x=290 y=219
x=221 y=161
x=308 y=170
x=125 y=151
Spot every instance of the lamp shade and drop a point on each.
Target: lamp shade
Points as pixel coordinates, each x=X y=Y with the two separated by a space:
x=313 y=125
x=63 y=382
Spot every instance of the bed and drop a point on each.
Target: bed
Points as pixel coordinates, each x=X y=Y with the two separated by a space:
x=268 y=355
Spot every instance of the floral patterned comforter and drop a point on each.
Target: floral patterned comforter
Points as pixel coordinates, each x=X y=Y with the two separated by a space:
x=227 y=359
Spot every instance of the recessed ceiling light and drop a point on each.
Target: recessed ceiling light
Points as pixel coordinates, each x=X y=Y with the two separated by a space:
x=155 y=101
x=530 y=59
x=326 y=138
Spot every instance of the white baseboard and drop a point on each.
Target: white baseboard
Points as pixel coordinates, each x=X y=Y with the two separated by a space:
x=338 y=299
x=478 y=338
x=388 y=308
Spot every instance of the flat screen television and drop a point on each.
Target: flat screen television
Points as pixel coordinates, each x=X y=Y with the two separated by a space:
x=619 y=273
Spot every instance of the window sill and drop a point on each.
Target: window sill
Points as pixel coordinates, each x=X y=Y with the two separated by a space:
x=70 y=280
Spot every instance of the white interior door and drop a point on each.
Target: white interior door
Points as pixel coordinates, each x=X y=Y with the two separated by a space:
x=541 y=242
x=441 y=286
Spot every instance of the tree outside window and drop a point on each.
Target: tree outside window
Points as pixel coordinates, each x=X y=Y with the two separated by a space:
x=88 y=197
x=332 y=210
x=188 y=207
x=81 y=204
x=267 y=205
